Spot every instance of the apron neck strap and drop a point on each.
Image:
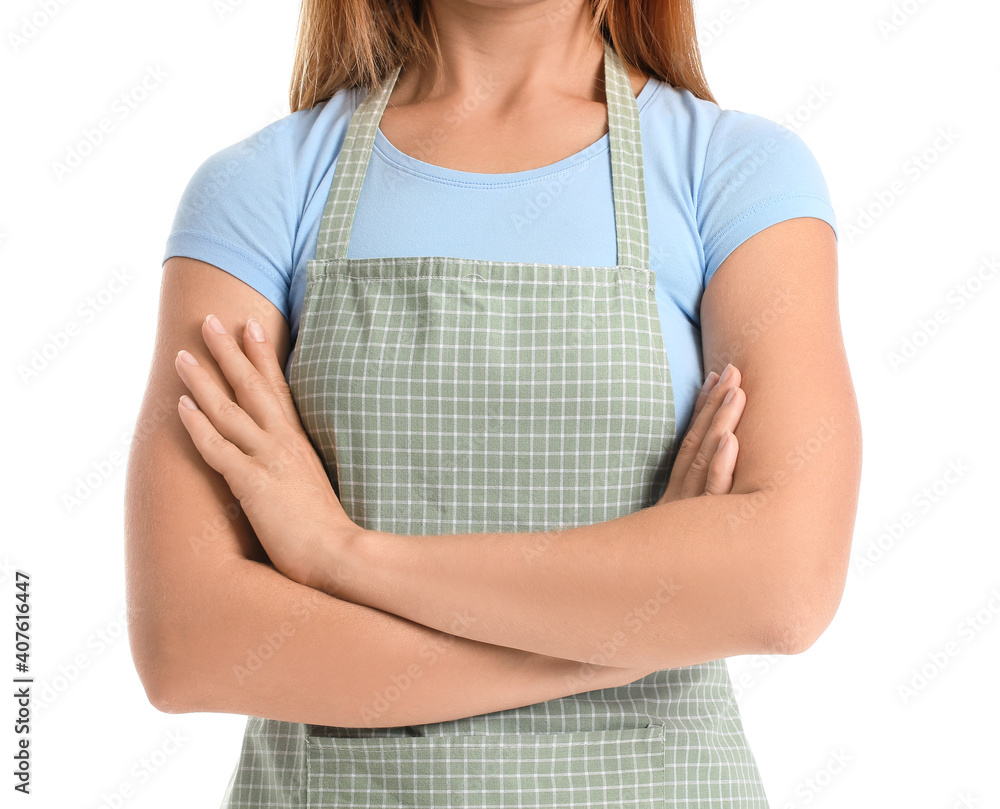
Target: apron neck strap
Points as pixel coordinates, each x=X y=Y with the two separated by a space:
x=626 y=167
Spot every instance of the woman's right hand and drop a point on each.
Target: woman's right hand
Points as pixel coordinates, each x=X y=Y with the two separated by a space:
x=702 y=466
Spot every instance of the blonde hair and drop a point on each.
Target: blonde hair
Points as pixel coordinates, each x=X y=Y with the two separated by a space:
x=345 y=43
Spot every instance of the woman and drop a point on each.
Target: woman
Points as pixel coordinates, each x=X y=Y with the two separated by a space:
x=460 y=558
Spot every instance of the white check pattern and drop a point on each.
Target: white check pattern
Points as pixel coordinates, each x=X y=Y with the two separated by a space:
x=453 y=395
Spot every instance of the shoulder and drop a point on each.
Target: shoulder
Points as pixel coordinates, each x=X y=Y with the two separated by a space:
x=730 y=142
x=747 y=148
x=276 y=157
x=742 y=171
x=242 y=208
x=265 y=179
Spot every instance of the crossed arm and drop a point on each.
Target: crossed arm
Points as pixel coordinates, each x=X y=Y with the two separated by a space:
x=760 y=567
x=758 y=570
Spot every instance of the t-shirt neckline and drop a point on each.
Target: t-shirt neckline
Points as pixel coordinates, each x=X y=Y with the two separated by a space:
x=415 y=166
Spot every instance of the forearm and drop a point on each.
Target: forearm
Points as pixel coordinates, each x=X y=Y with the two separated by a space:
x=211 y=629
x=673 y=585
x=262 y=645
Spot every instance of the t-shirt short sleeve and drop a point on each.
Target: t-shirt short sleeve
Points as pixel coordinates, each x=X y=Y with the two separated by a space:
x=757 y=173
x=235 y=213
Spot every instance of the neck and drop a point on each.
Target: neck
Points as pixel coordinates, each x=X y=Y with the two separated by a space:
x=523 y=50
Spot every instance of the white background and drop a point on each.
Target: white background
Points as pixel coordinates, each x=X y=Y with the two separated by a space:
x=830 y=727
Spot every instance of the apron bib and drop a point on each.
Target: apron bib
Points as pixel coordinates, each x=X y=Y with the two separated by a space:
x=452 y=395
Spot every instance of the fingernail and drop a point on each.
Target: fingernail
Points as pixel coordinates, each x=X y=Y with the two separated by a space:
x=255 y=330
x=729 y=396
x=726 y=373
x=188 y=402
x=710 y=381
x=188 y=357
x=722 y=441
x=215 y=324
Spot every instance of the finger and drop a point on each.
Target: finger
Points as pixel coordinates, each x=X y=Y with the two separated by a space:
x=694 y=438
x=253 y=391
x=722 y=466
x=726 y=418
x=260 y=351
x=226 y=416
x=219 y=453
x=710 y=382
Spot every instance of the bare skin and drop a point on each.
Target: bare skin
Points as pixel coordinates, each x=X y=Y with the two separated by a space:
x=201 y=591
x=482 y=123
x=203 y=597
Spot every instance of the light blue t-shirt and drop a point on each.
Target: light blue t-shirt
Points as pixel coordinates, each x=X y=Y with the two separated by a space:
x=713 y=179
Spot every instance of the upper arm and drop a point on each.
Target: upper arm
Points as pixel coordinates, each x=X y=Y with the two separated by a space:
x=772 y=310
x=181 y=520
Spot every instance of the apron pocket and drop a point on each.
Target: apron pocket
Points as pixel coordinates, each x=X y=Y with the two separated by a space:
x=620 y=768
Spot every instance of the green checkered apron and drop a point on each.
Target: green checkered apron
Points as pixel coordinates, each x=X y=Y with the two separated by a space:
x=452 y=395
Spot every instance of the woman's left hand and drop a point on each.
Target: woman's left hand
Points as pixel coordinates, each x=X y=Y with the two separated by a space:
x=258 y=444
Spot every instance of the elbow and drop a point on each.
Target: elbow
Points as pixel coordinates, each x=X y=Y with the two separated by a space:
x=793 y=635
x=805 y=610
x=156 y=667
x=162 y=691
x=165 y=698
x=807 y=572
